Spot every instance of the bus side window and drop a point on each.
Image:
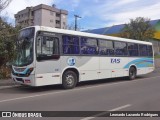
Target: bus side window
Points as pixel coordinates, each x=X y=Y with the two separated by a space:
x=120 y=48
x=106 y=47
x=150 y=50
x=70 y=44
x=133 y=49
x=47 y=48
x=89 y=46
x=39 y=50
x=143 y=50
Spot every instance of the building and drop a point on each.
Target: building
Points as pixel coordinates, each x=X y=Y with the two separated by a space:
x=42 y=15
x=116 y=30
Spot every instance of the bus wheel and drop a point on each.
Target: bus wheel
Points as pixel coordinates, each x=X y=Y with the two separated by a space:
x=69 y=80
x=132 y=73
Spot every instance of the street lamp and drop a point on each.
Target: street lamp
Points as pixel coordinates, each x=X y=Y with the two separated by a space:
x=76 y=16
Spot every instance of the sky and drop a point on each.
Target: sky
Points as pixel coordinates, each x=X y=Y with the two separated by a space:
x=94 y=13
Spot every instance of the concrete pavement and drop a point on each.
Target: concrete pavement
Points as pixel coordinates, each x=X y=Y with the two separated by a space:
x=119 y=94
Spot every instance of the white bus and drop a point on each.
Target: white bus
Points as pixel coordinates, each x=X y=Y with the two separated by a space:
x=47 y=56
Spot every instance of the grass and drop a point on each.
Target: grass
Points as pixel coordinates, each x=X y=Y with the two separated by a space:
x=157 y=56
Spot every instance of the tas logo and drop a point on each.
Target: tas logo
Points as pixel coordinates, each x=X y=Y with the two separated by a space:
x=114 y=60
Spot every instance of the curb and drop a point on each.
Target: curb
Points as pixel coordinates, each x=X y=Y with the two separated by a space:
x=7 y=83
x=6 y=87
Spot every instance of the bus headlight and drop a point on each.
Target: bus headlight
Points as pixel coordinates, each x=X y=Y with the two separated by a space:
x=29 y=71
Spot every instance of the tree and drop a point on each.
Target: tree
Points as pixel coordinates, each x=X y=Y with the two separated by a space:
x=8 y=35
x=139 y=29
x=4 y=4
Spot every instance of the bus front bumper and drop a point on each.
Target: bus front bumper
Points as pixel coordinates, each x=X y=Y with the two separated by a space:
x=24 y=80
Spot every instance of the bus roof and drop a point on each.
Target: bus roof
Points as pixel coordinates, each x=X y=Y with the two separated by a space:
x=71 y=32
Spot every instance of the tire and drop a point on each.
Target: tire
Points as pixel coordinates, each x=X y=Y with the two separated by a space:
x=132 y=73
x=69 y=80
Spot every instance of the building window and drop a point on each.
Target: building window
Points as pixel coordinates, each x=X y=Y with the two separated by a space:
x=70 y=44
x=32 y=13
x=57 y=15
x=89 y=46
x=57 y=22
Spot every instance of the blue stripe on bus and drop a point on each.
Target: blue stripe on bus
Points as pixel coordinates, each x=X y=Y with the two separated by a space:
x=140 y=63
x=24 y=72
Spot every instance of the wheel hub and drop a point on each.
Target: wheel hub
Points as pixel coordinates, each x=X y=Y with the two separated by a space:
x=69 y=79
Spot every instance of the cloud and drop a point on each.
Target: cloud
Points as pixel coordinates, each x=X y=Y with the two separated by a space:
x=124 y=2
x=120 y=17
x=95 y=13
x=17 y=5
x=69 y=5
x=119 y=12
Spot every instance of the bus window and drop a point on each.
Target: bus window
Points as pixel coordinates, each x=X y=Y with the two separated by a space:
x=70 y=44
x=47 y=47
x=120 y=48
x=150 y=51
x=133 y=49
x=143 y=50
x=89 y=46
x=106 y=47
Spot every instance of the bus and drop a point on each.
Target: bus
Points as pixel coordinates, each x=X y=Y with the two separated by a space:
x=48 y=56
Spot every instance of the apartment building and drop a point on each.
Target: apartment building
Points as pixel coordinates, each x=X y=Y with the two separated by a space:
x=43 y=15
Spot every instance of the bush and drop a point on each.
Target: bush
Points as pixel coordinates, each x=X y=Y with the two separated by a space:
x=5 y=72
x=8 y=35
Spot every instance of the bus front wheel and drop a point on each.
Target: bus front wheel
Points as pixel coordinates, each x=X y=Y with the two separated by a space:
x=69 y=80
x=132 y=73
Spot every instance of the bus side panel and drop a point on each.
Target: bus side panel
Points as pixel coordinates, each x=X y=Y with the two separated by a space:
x=88 y=66
x=48 y=72
x=113 y=67
x=143 y=65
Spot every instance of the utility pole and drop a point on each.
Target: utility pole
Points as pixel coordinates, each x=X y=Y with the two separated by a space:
x=76 y=16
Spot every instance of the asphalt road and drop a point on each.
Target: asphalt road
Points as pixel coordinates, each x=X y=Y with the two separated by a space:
x=120 y=94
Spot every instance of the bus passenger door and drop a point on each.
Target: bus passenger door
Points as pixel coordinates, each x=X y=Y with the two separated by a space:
x=47 y=60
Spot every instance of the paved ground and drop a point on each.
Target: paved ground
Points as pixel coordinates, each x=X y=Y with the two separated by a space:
x=119 y=94
x=157 y=63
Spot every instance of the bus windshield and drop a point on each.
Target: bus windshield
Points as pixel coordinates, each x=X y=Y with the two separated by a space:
x=24 y=54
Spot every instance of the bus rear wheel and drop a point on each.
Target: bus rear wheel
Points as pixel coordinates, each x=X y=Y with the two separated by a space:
x=69 y=80
x=132 y=73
